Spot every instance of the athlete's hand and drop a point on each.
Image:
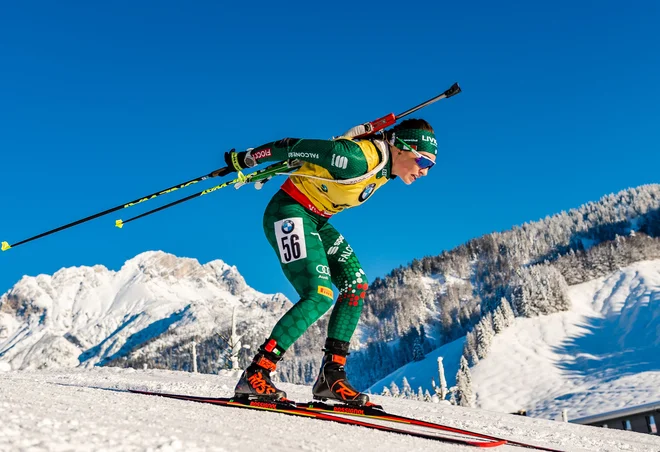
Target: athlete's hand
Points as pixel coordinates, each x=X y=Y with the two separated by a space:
x=362 y=129
x=237 y=161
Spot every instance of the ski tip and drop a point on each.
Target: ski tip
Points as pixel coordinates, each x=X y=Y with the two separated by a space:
x=5 y=246
x=119 y=224
x=494 y=443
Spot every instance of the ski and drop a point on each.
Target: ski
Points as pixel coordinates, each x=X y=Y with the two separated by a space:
x=376 y=412
x=290 y=408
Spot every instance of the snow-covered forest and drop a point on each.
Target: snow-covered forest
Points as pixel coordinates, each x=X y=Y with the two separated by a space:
x=528 y=268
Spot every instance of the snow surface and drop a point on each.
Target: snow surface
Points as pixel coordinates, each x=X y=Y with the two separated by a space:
x=598 y=357
x=86 y=409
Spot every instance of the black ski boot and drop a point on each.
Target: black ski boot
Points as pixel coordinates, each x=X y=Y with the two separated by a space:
x=255 y=383
x=331 y=382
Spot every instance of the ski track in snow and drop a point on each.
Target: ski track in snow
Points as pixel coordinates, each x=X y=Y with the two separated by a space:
x=87 y=410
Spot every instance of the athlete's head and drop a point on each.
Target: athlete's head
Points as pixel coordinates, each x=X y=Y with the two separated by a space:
x=414 y=149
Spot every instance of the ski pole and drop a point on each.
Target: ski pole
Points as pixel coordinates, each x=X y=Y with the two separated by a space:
x=285 y=166
x=371 y=127
x=219 y=172
x=391 y=119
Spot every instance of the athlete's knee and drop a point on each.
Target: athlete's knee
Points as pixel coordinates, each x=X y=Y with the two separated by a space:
x=355 y=290
x=320 y=300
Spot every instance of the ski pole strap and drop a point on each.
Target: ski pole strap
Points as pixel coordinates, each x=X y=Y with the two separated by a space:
x=234 y=162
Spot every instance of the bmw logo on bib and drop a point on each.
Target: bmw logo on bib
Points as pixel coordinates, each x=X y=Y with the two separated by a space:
x=367 y=192
x=287 y=226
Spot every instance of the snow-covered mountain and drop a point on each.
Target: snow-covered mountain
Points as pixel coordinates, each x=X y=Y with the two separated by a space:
x=599 y=356
x=91 y=315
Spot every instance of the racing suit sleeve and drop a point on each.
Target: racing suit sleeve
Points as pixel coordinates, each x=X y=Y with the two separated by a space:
x=343 y=158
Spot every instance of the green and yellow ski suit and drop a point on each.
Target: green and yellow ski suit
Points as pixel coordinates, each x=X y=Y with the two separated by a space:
x=336 y=175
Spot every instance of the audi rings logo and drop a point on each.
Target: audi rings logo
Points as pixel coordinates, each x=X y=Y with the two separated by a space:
x=287 y=226
x=323 y=270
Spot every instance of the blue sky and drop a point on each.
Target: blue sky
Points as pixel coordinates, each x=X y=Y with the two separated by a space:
x=103 y=103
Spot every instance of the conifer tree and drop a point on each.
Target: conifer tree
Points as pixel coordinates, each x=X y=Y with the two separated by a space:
x=507 y=312
x=394 y=390
x=498 y=320
x=470 y=348
x=484 y=332
x=418 y=351
x=464 y=395
x=406 y=390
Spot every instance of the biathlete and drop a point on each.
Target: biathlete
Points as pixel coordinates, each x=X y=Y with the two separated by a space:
x=335 y=175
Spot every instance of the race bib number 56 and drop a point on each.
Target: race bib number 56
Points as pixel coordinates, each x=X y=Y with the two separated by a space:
x=290 y=236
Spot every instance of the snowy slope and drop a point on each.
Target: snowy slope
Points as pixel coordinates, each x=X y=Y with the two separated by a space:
x=421 y=373
x=73 y=410
x=90 y=315
x=599 y=356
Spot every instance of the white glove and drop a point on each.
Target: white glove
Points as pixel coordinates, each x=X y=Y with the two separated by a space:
x=362 y=129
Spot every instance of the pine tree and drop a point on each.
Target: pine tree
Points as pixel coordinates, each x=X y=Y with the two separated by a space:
x=386 y=392
x=406 y=390
x=464 y=395
x=418 y=350
x=394 y=390
x=498 y=320
x=470 y=348
x=484 y=333
x=452 y=395
x=507 y=312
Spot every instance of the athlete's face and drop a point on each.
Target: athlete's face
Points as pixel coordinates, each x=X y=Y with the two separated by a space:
x=404 y=165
